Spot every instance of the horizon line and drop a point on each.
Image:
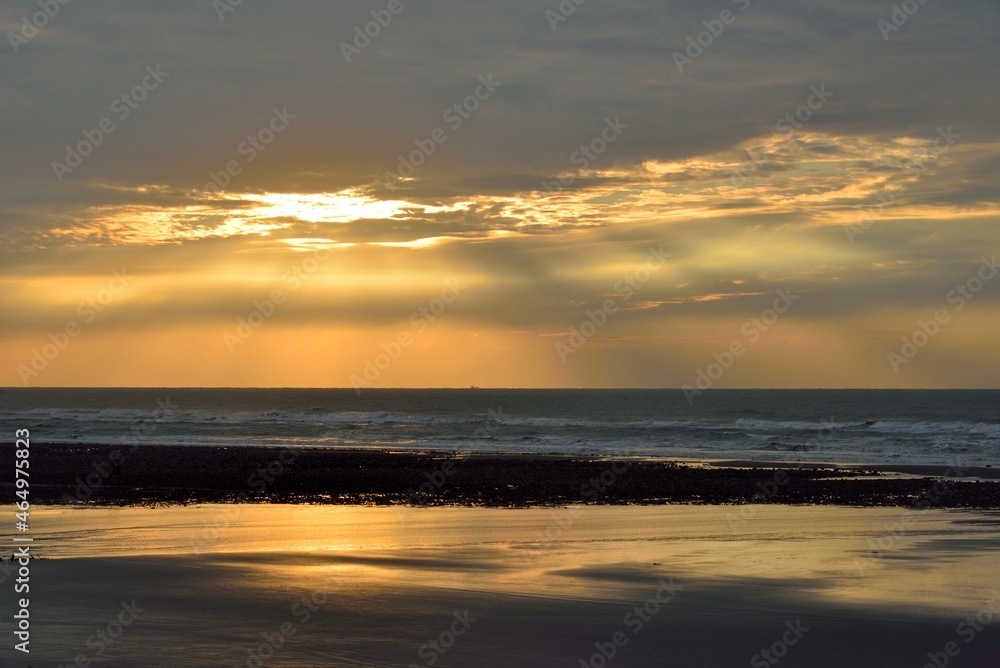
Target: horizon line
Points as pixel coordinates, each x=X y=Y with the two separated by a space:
x=481 y=388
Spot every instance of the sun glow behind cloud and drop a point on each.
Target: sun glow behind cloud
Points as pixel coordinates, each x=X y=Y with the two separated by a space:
x=823 y=179
x=341 y=207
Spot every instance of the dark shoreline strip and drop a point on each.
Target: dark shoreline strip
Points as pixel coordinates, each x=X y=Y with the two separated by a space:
x=152 y=475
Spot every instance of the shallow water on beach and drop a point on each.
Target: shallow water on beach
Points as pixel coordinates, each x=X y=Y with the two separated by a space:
x=367 y=586
x=941 y=559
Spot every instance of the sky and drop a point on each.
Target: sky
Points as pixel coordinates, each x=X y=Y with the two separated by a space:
x=518 y=194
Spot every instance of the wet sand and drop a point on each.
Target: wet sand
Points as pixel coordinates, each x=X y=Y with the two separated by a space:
x=365 y=586
x=195 y=474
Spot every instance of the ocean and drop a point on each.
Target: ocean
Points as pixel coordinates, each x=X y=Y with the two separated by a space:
x=944 y=427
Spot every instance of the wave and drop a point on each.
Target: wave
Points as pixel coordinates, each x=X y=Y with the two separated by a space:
x=795 y=425
x=747 y=427
x=935 y=428
x=222 y=416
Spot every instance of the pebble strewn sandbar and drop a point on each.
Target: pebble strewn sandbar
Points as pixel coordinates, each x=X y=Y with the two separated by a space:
x=68 y=473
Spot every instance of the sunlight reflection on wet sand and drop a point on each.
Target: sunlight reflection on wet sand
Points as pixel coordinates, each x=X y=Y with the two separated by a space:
x=938 y=558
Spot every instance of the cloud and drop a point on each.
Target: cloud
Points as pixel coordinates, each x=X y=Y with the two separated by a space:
x=510 y=200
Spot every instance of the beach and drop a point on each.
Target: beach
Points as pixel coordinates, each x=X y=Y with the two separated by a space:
x=308 y=585
x=596 y=529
